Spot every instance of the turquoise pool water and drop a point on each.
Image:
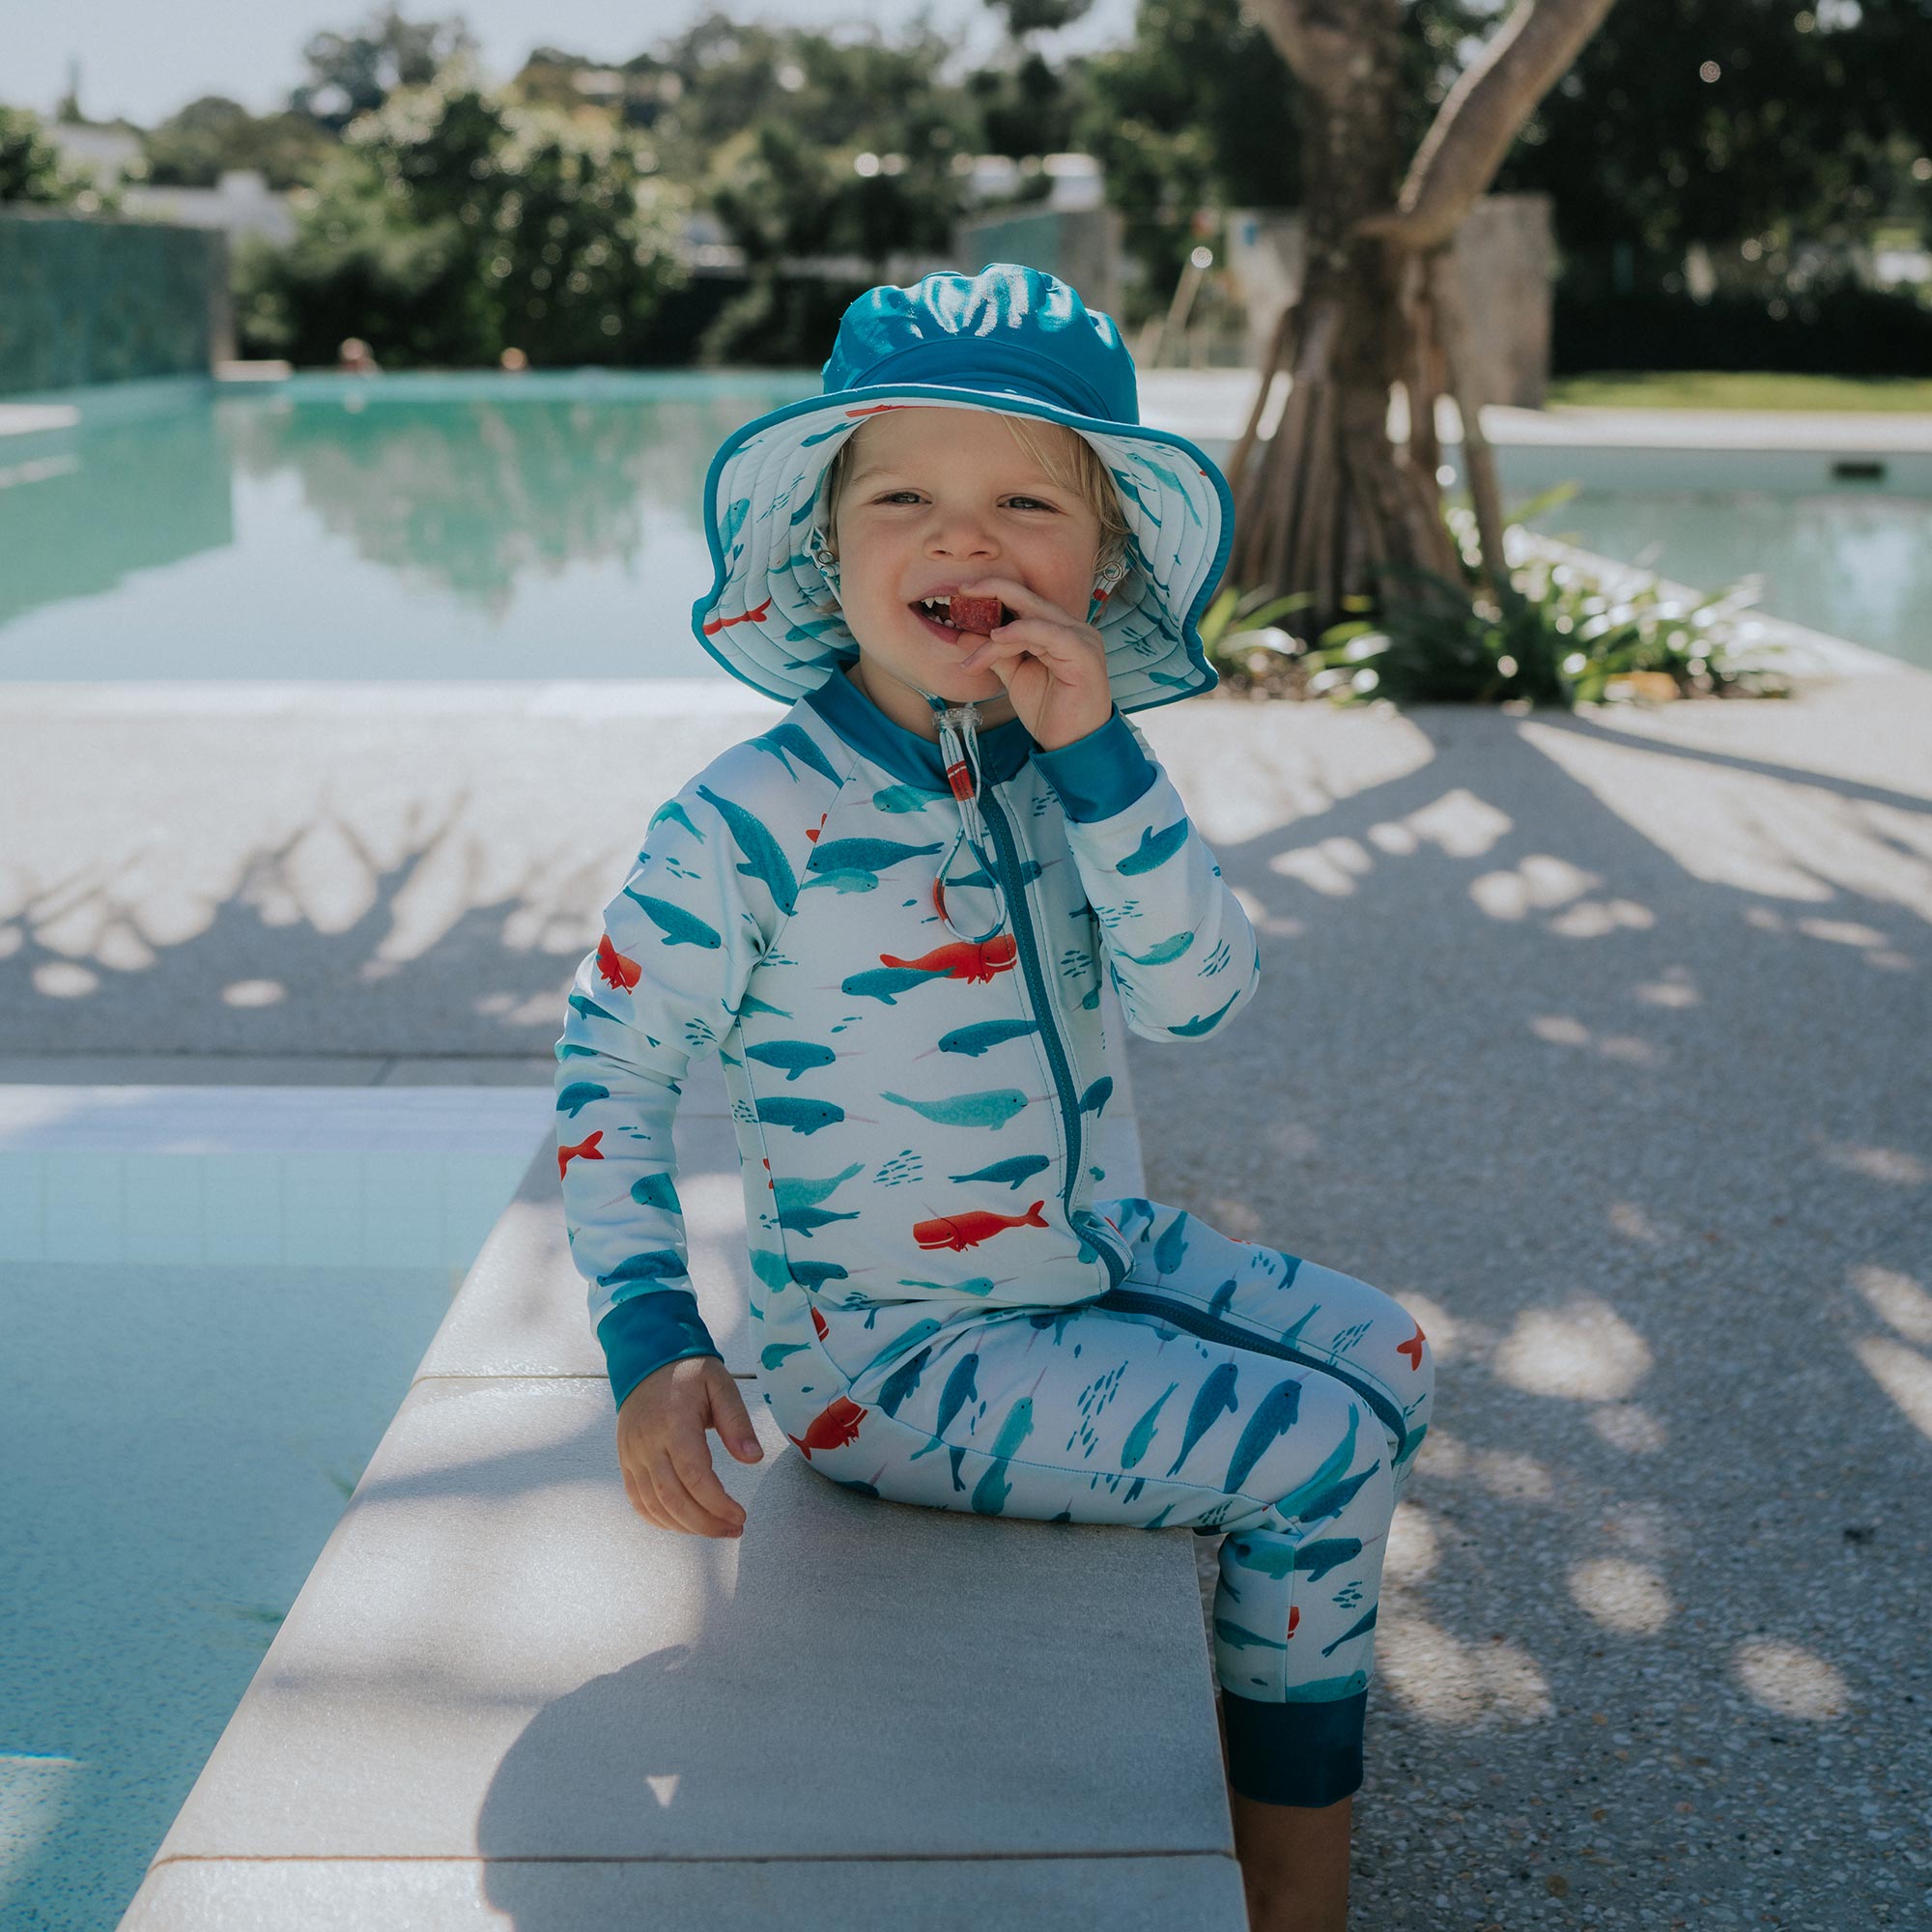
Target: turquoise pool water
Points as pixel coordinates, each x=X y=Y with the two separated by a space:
x=484 y=527
x=1841 y=544
x=213 y=1299
x=467 y=528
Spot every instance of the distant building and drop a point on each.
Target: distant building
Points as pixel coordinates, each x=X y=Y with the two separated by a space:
x=106 y=150
x=242 y=204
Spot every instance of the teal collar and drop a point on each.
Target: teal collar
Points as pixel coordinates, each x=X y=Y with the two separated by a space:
x=1004 y=749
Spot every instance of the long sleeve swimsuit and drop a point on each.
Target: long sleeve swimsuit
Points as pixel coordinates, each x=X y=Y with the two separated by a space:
x=945 y=1315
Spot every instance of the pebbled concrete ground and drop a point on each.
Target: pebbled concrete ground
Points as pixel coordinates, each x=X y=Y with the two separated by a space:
x=1599 y=1041
x=1603 y=1045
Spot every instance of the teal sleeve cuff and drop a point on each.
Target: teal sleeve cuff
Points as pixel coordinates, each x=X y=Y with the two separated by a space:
x=1100 y=773
x=644 y=1332
x=1308 y=1754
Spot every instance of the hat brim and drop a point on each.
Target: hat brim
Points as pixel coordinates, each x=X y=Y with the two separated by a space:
x=772 y=619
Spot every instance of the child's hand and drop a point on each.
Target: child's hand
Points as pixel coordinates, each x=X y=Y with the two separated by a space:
x=662 y=1450
x=1053 y=666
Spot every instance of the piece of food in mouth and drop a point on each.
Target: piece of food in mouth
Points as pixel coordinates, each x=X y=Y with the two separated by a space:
x=974 y=614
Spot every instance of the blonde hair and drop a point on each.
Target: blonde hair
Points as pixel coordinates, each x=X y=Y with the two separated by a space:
x=1063 y=454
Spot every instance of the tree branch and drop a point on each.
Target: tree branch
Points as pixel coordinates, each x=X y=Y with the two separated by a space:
x=1483 y=114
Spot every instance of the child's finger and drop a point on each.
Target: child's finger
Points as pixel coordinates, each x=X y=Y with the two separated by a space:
x=644 y=1500
x=707 y=1496
x=731 y=1419
x=676 y=1501
x=631 y=1489
x=1029 y=637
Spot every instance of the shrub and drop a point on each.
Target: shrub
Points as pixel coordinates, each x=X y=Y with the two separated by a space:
x=1561 y=639
x=455 y=224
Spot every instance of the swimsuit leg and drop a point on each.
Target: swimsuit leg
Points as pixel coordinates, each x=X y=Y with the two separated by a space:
x=1223 y=1386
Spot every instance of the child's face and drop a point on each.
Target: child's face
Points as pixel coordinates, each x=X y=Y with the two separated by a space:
x=933 y=499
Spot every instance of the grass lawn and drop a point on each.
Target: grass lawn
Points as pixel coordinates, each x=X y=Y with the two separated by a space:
x=1744 y=389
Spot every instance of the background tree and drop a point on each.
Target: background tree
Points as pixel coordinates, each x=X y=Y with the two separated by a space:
x=805 y=146
x=1729 y=122
x=355 y=72
x=31 y=168
x=1333 y=502
x=195 y=146
x=1025 y=105
x=1201 y=111
x=456 y=223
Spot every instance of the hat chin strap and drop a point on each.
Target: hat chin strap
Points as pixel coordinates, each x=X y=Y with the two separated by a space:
x=959 y=752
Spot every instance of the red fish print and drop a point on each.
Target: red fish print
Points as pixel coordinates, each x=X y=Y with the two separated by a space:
x=1412 y=1348
x=1293 y=1617
x=818 y=1321
x=964 y=958
x=616 y=969
x=961 y=1231
x=585 y=1149
x=831 y=1429
x=754 y=616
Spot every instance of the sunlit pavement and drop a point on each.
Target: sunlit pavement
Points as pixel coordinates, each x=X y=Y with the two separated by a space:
x=1599 y=1041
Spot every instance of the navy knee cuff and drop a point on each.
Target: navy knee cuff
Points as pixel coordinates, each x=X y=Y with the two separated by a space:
x=1294 y=1754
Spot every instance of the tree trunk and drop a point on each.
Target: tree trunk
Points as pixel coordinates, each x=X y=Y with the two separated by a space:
x=1330 y=496
x=1330 y=499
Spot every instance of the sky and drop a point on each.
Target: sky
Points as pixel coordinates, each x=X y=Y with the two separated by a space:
x=143 y=60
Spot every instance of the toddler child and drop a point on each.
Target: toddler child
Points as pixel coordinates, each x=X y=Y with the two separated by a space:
x=887 y=914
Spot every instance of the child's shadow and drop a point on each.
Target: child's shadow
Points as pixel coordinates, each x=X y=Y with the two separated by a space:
x=863 y=1689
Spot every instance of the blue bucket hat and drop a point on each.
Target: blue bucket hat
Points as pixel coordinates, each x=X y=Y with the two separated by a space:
x=1010 y=340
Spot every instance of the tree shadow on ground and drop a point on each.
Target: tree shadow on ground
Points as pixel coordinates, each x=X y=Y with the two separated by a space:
x=1598 y=1051
x=410 y=958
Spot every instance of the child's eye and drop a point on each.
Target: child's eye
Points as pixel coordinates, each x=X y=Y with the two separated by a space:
x=890 y=493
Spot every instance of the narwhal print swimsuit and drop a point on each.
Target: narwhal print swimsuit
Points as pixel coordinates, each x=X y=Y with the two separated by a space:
x=897 y=947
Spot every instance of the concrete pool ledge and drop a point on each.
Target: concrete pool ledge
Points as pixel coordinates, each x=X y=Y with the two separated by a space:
x=1814 y=656
x=501 y=1694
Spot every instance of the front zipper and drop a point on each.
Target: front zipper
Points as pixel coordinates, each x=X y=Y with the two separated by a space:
x=1136 y=1302
x=1062 y=1077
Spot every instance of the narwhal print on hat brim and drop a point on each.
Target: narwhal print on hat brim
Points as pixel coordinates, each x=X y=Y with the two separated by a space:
x=1010 y=340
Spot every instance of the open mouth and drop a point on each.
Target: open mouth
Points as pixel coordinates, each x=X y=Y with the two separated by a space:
x=960 y=616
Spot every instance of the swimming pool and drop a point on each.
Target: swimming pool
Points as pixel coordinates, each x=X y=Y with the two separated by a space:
x=546 y=527
x=214 y=1300
x=1842 y=544
x=453 y=527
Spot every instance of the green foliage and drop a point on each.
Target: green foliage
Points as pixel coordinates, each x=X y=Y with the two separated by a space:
x=354 y=74
x=1198 y=110
x=456 y=223
x=1250 y=652
x=30 y=165
x=1237 y=624
x=1825 y=330
x=1026 y=108
x=1728 y=121
x=32 y=170
x=195 y=146
x=1734 y=126
x=858 y=160
x=1560 y=638
x=1040 y=17
x=780 y=321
